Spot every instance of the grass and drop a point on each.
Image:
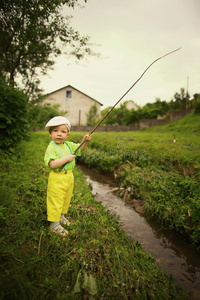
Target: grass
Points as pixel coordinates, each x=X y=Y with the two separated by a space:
x=96 y=261
x=156 y=144
x=151 y=167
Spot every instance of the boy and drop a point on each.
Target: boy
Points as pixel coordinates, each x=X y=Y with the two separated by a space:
x=60 y=183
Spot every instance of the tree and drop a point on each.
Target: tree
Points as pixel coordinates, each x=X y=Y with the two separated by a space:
x=197 y=103
x=153 y=110
x=32 y=34
x=40 y=114
x=111 y=118
x=92 y=115
x=120 y=116
x=180 y=101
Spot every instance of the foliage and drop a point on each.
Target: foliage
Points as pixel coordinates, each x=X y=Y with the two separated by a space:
x=120 y=116
x=153 y=110
x=154 y=144
x=180 y=101
x=132 y=117
x=110 y=119
x=32 y=34
x=13 y=116
x=39 y=115
x=167 y=195
x=197 y=104
x=97 y=260
x=164 y=174
x=124 y=116
x=92 y=115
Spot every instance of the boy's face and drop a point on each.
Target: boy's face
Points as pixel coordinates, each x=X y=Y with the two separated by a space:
x=59 y=134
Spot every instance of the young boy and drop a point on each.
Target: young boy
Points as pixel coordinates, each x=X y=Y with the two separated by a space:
x=60 y=183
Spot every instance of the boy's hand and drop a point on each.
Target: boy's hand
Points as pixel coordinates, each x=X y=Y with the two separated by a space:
x=88 y=137
x=70 y=157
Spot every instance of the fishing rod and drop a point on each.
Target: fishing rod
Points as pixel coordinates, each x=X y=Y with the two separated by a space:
x=119 y=101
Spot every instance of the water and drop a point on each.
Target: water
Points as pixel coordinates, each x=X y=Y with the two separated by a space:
x=173 y=254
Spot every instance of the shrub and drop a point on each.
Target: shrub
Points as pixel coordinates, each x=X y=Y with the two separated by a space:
x=197 y=105
x=14 y=123
x=39 y=115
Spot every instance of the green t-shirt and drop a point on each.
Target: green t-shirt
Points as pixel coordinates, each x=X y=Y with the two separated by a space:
x=52 y=152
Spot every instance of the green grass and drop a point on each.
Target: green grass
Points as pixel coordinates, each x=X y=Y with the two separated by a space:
x=156 y=143
x=164 y=174
x=96 y=261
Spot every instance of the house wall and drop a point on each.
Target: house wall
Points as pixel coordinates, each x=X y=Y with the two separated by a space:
x=77 y=106
x=131 y=105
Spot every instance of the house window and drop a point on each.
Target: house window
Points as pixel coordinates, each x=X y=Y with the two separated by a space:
x=68 y=94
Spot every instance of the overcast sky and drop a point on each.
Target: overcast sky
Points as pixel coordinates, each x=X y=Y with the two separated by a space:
x=130 y=35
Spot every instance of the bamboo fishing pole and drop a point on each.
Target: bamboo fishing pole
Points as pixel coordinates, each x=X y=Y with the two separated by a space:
x=119 y=101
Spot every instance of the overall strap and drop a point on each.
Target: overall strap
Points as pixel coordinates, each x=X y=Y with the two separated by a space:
x=60 y=152
x=61 y=155
x=73 y=163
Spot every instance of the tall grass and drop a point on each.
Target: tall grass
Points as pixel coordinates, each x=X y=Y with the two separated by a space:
x=164 y=174
x=96 y=261
x=156 y=144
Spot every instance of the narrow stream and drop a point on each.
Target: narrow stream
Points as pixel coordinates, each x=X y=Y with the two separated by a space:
x=173 y=254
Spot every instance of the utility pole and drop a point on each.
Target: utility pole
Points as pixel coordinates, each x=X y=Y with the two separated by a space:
x=79 y=118
x=187 y=92
x=187 y=84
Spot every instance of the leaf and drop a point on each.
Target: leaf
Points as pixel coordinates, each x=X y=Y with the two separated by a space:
x=77 y=287
x=92 y=285
x=85 y=283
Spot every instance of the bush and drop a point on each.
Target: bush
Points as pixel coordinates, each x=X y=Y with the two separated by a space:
x=40 y=115
x=197 y=105
x=14 y=122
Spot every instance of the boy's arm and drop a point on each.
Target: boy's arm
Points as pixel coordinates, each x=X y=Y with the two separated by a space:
x=87 y=139
x=56 y=163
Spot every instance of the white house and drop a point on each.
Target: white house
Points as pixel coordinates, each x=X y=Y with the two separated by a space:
x=131 y=105
x=76 y=103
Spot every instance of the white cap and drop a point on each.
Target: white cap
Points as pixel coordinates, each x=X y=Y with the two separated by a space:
x=56 y=121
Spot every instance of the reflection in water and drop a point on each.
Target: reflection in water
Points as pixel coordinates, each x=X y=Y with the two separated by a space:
x=172 y=253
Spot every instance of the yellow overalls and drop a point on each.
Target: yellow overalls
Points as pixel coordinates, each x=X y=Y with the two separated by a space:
x=59 y=192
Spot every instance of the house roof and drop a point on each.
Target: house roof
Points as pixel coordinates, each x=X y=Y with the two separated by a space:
x=70 y=86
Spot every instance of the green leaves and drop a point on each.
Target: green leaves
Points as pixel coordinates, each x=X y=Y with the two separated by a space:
x=85 y=281
x=92 y=115
x=14 y=116
x=31 y=35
